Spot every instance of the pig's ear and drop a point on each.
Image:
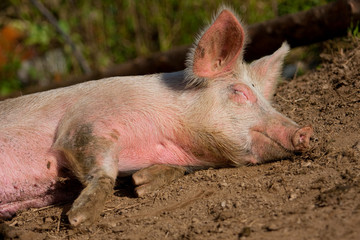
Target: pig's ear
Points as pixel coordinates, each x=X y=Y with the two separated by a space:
x=217 y=50
x=267 y=70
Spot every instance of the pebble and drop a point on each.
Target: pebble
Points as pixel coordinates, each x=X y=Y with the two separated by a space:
x=293 y=196
x=272 y=227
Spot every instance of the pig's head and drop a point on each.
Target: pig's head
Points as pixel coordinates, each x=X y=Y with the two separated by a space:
x=234 y=112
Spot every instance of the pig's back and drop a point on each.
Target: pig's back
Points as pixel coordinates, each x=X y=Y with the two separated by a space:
x=51 y=105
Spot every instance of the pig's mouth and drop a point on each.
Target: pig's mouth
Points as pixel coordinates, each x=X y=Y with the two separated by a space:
x=278 y=145
x=265 y=148
x=273 y=141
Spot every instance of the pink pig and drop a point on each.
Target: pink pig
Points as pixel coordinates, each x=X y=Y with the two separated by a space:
x=215 y=113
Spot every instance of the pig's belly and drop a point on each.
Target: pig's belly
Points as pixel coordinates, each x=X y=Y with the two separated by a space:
x=33 y=185
x=43 y=195
x=29 y=174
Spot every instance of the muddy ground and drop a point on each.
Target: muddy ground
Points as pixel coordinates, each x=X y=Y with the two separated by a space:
x=312 y=196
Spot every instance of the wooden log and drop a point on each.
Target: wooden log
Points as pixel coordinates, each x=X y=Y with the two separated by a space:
x=303 y=28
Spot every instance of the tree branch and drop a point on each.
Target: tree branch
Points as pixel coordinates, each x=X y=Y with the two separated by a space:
x=50 y=17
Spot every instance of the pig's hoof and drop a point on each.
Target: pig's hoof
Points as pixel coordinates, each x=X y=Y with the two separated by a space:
x=88 y=206
x=145 y=189
x=154 y=177
x=84 y=215
x=76 y=218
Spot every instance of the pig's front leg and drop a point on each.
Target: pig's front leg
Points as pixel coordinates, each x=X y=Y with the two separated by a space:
x=91 y=201
x=93 y=161
x=153 y=177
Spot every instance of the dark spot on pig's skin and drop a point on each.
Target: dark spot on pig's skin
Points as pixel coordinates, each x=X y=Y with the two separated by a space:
x=81 y=145
x=83 y=135
x=48 y=165
x=82 y=149
x=115 y=134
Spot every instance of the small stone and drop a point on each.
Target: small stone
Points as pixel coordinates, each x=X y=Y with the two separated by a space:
x=118 y=229
x=272 y=227
x=245 y=232
x=306 y=164
x=224 y=184
x=292 y=196
x=195 y=220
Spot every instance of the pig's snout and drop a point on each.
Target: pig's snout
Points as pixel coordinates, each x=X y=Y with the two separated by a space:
x=301 y=138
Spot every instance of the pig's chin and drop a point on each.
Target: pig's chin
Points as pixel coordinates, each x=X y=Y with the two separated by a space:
x=265 y=148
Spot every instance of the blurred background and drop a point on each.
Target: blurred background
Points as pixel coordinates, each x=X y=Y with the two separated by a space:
x=106 y=33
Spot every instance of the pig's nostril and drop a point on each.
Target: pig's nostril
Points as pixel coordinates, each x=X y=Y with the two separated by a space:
x=301 y=138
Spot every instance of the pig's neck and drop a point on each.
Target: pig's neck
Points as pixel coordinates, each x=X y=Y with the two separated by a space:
x=211 y=148
x=203 y=141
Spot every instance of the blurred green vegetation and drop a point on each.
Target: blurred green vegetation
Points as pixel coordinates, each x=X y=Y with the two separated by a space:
x=108 y=32
x=354 y=30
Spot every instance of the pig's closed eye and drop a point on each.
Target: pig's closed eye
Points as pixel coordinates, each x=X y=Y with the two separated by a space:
x=241 y=94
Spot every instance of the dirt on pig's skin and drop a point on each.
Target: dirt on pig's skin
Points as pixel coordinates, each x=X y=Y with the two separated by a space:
x=312 y=196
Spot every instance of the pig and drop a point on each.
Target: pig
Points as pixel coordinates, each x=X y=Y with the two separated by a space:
x=215 y=113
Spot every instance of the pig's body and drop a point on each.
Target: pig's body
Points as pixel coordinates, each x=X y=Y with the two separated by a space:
x=30 y=164
x=215 y=113
x=143 y=116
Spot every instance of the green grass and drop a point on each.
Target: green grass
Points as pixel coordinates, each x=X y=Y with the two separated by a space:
x=354 y=30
